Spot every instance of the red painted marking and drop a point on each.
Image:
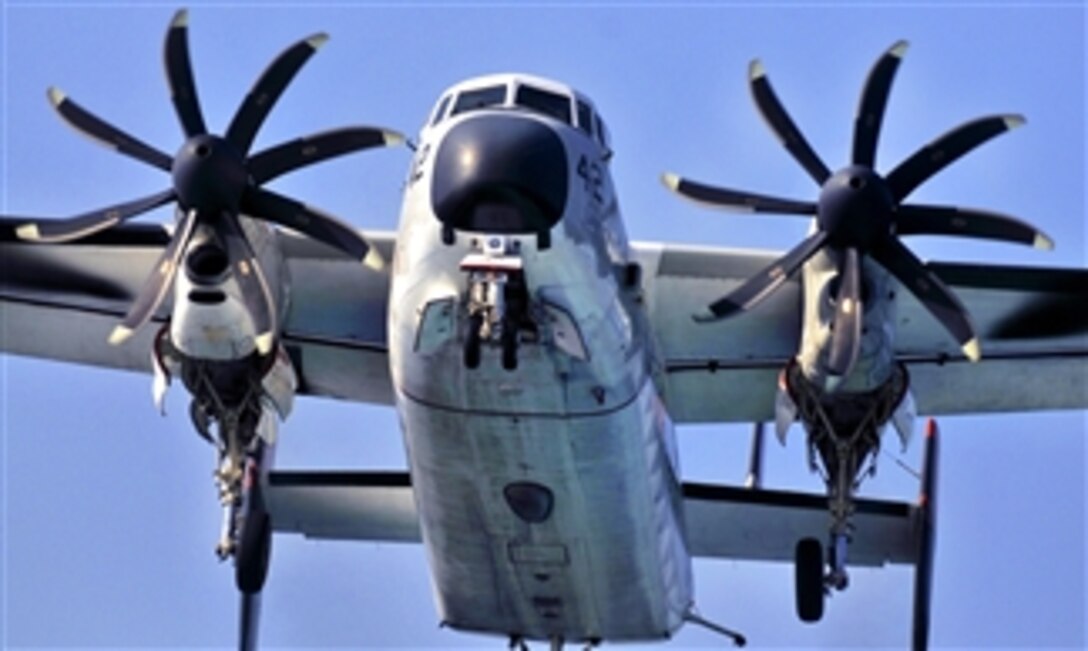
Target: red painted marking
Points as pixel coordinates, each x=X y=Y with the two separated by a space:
x=931 y=427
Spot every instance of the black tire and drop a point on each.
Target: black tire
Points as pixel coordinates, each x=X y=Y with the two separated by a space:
x=809 y=579
x=254 y=553
x=509 y=346
x=472 y=341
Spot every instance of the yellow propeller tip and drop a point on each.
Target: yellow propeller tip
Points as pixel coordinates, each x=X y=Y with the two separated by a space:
x=756 y=70
x=1013 y=121
x=119 y=335
x=899 y=49
x=181 y=19
x=317 y=40
x=263 y=342
x=56 y=96
x=1043 y=242
x=972 y=350
x=28 y=232
x=671 y=181
x=392 y=138
x=374 y=260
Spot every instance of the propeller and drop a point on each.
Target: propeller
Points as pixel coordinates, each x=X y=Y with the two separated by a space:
x=860 y=212
x=214 y=178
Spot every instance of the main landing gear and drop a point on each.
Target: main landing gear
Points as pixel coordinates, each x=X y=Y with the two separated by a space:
x=843 y=443
x=236 y=406
x=498 y=301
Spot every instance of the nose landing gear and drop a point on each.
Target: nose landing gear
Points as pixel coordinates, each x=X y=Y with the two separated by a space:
x=498 y=301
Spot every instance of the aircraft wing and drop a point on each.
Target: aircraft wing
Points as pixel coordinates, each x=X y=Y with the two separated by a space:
x=722 y=521
x=1032 y=324
x=60 y=302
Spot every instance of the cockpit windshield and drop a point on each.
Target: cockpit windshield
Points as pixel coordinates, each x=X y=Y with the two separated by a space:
x=542 y=101
x=567 y=107
x=479 y=98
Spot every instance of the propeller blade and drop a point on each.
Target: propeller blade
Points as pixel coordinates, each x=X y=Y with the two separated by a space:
x=249 y=621
x=73 y=228
x=179 y=76
x=931 y=291
x=846 y=332
x=967 y=222
x=735 y=199
x=157 y=284
x=300 y=217
x=252 y=283
x=295 y=154
x=105 y=133
x=270 y=85
x=937 y=155
x=779 y=121
x=873 y=101
x=759 y=286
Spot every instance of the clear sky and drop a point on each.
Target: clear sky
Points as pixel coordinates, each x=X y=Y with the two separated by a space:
x=109 y=513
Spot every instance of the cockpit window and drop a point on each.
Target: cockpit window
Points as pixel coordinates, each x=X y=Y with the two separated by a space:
x=585 y=118
x=470 y=100
x=542 y=101
x=602 y=133
x=441 y=110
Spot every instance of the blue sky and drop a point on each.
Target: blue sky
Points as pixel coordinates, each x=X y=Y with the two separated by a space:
x=109 y=514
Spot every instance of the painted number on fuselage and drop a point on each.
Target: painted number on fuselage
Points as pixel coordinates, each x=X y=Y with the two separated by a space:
x=592 y=177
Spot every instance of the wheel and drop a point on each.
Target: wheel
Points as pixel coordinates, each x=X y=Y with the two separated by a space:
x=509 y=346
x=254 y=552
x=809 y=579
x=472 y=341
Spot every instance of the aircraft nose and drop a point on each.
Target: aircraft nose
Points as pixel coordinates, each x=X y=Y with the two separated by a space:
x=500 y=174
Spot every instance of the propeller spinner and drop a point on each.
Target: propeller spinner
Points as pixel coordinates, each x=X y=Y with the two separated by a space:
x=215 y=177
x=860 y=212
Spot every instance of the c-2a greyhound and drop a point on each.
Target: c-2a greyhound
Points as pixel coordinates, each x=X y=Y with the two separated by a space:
x=538 y=359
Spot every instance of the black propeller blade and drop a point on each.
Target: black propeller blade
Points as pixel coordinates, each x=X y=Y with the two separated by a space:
x=937 y=155
x=179 y=76
x=301 y=152
x=91 y=222
x=860 y=213
x=780 y=122
x=158 y=283
x=738 y=200
x=759 y=286
x=270 y=85
x=98 y=129
x=214 y=179
x=846 y=327
x=252 y=283
x=873 y=101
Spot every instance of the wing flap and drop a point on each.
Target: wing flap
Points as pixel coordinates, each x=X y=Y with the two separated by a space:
x=765 y=525
x=375 y=506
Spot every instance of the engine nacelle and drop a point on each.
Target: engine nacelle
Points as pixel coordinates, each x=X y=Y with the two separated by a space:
x=210 y=321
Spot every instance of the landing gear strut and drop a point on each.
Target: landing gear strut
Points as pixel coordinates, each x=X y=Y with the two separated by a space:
x=843 y=443
x=236 y=406
x=498 y=301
